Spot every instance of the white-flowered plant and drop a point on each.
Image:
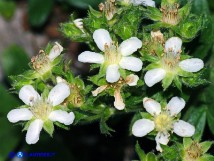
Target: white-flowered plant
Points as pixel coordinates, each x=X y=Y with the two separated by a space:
x=171 y=64
x=40 y=110
x=122 y=36
x=114 y=57
x=119 y=104
x=163 y=121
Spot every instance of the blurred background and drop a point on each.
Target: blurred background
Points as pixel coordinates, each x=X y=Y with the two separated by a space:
x=26 y=26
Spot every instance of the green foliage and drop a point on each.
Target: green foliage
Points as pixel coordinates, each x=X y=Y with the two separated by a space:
x=39 y=11
x=7 y=8
x=9 y=60
x=128 y=22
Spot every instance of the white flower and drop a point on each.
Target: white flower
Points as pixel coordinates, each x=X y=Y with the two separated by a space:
x=41 y=110
x=114 y=57
x=170 y=63
x=131 y=80
x=150 y=3
x=42 y=63
x=163 y=121
x=79 y=24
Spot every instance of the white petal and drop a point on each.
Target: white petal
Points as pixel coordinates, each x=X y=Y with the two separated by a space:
x=131 y=63
x=62 y=117
x=118 y=103
x=102 y=38
x=33 y=131
x=184 y=129
x=91 y=57
x=142 y=127
x=161 y=138
x=130 y=46
x=112 y=73
x=152 y=106
x=55 y=51
x=175 y=105
x=28 y=94
x=173 y=45
x=60 y=80
x=154 y=76
x=22 y=114
x=59 y=93
x=78 y=23
x=150 y=3
x=192 y=65
x=132 y=80
x=99 y=90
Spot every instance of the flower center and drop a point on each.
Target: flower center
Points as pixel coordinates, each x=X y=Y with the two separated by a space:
x=41 y=109
x=163 y=122
x=109 y=8
x=170 y=14
x=193 y=152
x=41 y=63
x=112 y=54
x=170 y=61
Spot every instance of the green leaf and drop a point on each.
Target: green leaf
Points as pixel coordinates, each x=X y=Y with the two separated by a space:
x=49 y=127
x=7 y=8
x=14 y=60
x=140 y=152
x=200 y=7
x=197 y=117
x=39 y=11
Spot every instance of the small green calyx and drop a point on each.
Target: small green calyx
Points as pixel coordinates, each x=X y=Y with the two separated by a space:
x=75 y=98
x=41 y=63
x=112 y=54
x=163 y=122
x=41 y=109
x=193 y=152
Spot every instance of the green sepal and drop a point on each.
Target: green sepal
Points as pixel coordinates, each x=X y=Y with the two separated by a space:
x=141 y=154
x=49 y=127
x=206 y=145
x=167 y=81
